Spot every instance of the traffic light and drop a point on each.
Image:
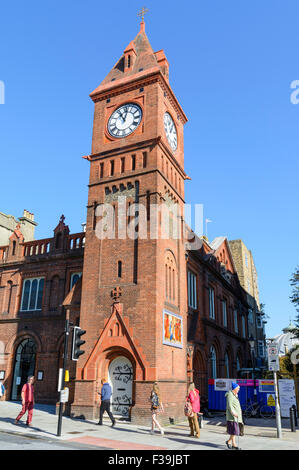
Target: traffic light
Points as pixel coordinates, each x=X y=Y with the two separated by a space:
x=77 y=343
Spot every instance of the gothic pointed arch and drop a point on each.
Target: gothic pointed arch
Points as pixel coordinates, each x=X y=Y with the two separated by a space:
x=117 y=335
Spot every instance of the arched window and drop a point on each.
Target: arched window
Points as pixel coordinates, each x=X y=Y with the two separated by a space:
x=74 y=278
x=171 y=278
x=213 y=359
x=32 y=294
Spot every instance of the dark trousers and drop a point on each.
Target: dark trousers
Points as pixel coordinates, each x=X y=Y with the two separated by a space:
x=105 y=406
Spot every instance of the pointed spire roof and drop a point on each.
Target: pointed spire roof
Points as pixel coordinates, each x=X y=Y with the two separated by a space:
x=142 y=56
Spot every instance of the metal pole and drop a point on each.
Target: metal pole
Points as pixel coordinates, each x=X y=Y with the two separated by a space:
x=296 y=386
x=295 y=415
x=277 y=407
x=292 y=419
x=66 y=338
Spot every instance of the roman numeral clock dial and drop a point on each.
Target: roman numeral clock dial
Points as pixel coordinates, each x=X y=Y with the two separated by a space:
x=124 y=120
x=170 y=131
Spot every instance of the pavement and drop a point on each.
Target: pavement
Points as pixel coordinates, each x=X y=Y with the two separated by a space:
x=260 y=434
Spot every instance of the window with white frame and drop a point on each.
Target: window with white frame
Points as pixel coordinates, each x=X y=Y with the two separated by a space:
x=261 y=348
x=212 y=302
x=224 y=313
x=236 y=321
x=192 y=293
x=32 y=294
x=74 y=278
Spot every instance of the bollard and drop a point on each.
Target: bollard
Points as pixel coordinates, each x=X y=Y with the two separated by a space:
x=292 y=419
x=200 y=420
x=295 y=414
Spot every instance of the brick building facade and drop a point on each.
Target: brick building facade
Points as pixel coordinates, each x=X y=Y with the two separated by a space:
x=151 y=308
x=217 y=315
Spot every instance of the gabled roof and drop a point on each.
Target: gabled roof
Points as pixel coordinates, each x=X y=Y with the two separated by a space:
x=218 y=245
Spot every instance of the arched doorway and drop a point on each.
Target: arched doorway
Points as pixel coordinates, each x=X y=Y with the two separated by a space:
x=24 y=365
x=200 y=375
x=120 y=376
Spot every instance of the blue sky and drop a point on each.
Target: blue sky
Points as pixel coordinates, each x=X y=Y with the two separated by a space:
x=231 y=67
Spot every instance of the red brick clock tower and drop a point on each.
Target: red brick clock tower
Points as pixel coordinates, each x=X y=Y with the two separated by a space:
x=133 y=304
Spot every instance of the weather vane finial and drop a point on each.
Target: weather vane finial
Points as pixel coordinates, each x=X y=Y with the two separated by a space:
x=142 y=12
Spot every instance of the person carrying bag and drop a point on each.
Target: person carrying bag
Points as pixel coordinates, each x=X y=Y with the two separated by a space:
x=192 y=407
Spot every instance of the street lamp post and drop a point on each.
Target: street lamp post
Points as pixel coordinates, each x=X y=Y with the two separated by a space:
x=252 y=345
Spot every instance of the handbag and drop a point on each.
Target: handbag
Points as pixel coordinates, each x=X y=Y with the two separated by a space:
x=241 y=429
x=188 y=409
x=155 y=401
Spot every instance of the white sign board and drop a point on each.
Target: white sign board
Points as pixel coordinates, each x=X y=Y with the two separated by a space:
x=60 y=379
x=273 y=357
x=287 y=396
x=64 y=395
x=223 y=385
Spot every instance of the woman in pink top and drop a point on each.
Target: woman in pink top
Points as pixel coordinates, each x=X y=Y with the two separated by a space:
x=193 y=397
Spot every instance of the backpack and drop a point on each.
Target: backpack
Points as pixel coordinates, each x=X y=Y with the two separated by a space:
x=155 y=401
x=188 y=409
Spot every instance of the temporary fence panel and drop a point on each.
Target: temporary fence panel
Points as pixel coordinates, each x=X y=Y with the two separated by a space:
x=219 y=387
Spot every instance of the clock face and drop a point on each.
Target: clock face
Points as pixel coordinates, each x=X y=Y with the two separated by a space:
x=170 y=131
x=124 y=120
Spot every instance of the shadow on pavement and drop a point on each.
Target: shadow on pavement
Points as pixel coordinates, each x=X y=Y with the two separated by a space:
x=198 y=443
x=21 y=425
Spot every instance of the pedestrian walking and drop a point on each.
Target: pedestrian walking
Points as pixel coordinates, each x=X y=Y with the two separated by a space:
x=233 y=416
x=27 y=396
x=193 y=397
x=156 y=408
x=105 y=393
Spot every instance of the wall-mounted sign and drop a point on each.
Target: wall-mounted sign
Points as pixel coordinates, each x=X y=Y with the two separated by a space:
x=40 y=375
x=64 y=395
x=223 y=385
x=172 y=329
x=266 y=386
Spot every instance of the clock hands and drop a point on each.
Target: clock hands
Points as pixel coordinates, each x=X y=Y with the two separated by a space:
x=121 y=114
x=124 y=120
